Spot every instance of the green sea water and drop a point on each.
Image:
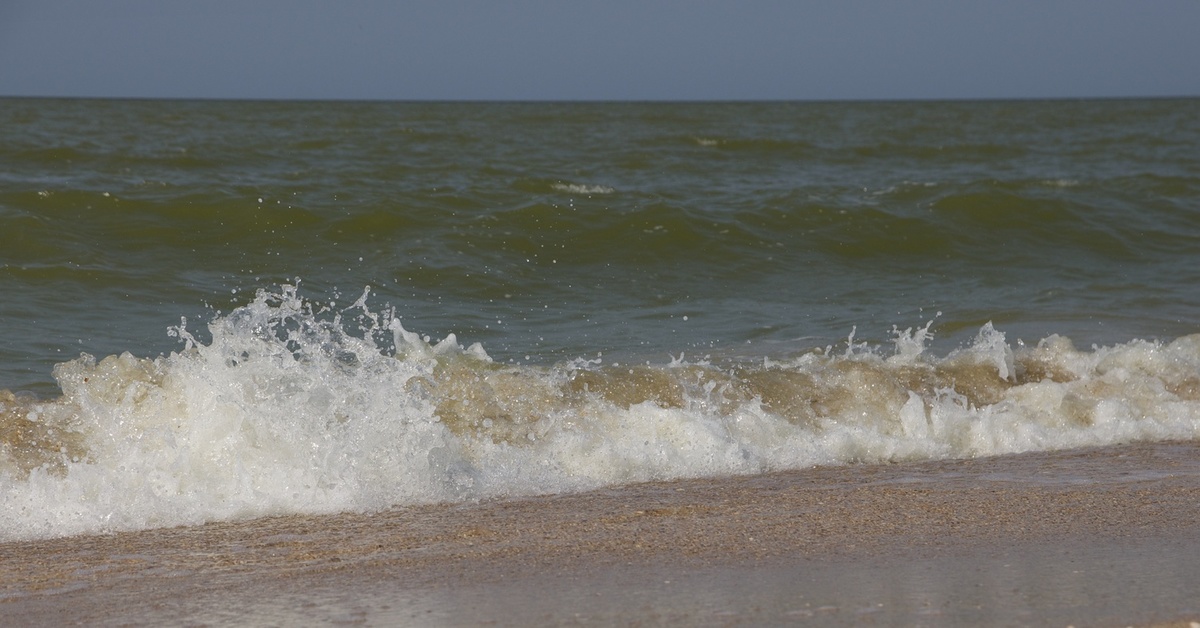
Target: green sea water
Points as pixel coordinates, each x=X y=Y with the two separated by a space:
x=555 y=231
x=221 y=310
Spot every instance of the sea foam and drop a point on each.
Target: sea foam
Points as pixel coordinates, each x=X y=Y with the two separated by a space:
x=291 y=407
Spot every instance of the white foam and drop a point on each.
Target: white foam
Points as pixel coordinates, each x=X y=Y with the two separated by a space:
x=576 y=188
x=285 y=412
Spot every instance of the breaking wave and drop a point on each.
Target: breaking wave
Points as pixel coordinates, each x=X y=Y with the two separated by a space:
x=298 y=407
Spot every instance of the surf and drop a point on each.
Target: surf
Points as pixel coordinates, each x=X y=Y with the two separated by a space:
x=289 y=405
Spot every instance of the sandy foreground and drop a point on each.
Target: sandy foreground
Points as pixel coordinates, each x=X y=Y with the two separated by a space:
x=1107 y=536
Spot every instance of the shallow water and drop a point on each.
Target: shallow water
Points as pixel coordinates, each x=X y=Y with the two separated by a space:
x=996 y=541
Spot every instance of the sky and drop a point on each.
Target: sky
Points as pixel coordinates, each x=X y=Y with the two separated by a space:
x=599 y=50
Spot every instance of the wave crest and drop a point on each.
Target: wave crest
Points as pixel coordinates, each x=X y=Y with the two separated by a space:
x=298 y=407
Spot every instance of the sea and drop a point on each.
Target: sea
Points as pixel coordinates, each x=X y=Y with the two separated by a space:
x=225 y=310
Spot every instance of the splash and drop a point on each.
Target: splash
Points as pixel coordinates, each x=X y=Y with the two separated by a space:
x=298 y=407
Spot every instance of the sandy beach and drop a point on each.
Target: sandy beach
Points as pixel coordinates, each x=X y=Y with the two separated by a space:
x=1106 y=536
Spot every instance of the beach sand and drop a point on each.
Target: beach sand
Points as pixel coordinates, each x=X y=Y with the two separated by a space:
x=1106 y=536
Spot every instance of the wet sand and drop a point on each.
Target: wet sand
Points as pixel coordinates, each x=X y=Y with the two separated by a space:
x=1106 y=536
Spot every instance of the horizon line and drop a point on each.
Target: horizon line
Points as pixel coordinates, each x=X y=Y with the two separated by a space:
x=594 y=101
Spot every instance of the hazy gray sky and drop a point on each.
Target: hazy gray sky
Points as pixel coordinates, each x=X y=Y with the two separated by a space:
x=612 y=49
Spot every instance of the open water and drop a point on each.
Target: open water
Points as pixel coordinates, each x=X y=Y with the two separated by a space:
x=222 y=310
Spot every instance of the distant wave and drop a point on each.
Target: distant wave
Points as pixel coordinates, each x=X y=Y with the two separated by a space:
x=576 y=188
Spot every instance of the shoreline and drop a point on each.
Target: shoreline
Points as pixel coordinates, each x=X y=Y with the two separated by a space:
x=1094 y=536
